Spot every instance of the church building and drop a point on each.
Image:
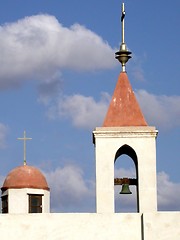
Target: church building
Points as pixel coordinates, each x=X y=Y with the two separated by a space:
x=26 y=196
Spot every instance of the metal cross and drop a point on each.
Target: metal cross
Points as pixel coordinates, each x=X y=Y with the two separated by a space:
x=24 y=139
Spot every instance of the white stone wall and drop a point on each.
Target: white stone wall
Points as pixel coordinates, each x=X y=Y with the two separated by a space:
x=70 y=226
x=91 y=226
x=162 y=226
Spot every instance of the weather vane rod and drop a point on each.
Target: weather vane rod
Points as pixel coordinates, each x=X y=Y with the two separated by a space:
x=123 y=55
x=24 y=139
x=122 y=22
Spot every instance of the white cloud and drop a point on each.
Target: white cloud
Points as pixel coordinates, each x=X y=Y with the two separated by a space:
x=168 y=193
x=83 y=111
x=70 y=191
x=123 y=172
x=3 y=135
x=37 y=47
x=48 y=88
x=162 y=111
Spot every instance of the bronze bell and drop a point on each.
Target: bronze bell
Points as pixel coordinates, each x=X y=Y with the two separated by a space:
x=125 y=189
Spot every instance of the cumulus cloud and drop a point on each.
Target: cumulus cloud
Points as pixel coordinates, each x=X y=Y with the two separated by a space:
x=168 y=193
x=162 y=111
x=83 y=111
x=3 y=135
x=70 y=190
x=48 y=88
x=123 y=172
x=37 y=47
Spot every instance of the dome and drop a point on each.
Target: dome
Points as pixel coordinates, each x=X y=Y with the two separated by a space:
x=25 y=177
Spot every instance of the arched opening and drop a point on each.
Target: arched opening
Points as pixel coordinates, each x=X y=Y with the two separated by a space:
x=126 y=170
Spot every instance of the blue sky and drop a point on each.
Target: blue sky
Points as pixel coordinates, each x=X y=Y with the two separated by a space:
x=57 y=75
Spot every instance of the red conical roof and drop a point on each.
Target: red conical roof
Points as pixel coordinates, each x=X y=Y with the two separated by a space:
x=124 y=109
x=25 y=177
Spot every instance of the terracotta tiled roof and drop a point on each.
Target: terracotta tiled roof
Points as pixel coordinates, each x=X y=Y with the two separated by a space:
x=124 y=109
x=25 y=177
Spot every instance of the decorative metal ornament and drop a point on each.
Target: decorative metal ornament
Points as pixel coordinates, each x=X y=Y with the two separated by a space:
x=123 y=55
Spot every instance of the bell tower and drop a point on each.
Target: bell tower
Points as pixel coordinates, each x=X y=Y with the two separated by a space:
x=125 y=131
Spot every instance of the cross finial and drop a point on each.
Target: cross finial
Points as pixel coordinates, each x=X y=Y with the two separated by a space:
x=122 y=22
x=24 y=139
x=123 y=55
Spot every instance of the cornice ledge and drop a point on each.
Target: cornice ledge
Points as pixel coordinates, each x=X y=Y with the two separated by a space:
x=114 y=132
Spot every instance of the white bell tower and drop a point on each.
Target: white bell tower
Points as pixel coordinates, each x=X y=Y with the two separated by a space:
x=125 y=131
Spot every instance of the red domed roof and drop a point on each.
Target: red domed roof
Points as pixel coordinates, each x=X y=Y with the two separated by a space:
x=25 y=177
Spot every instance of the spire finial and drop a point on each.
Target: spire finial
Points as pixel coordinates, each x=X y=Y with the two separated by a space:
x=123 y=54
x=24 y=139
x=122 y=22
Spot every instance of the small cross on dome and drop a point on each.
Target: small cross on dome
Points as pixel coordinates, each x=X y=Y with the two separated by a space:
x=24 y=139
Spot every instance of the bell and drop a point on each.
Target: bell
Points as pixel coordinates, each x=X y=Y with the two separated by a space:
x=125 y=189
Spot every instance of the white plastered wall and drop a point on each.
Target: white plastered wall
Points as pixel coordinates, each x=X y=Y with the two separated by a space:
x=81 y=226
x=142 y=141
x=18 y=199
x=70 y=226
x=161 y=226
